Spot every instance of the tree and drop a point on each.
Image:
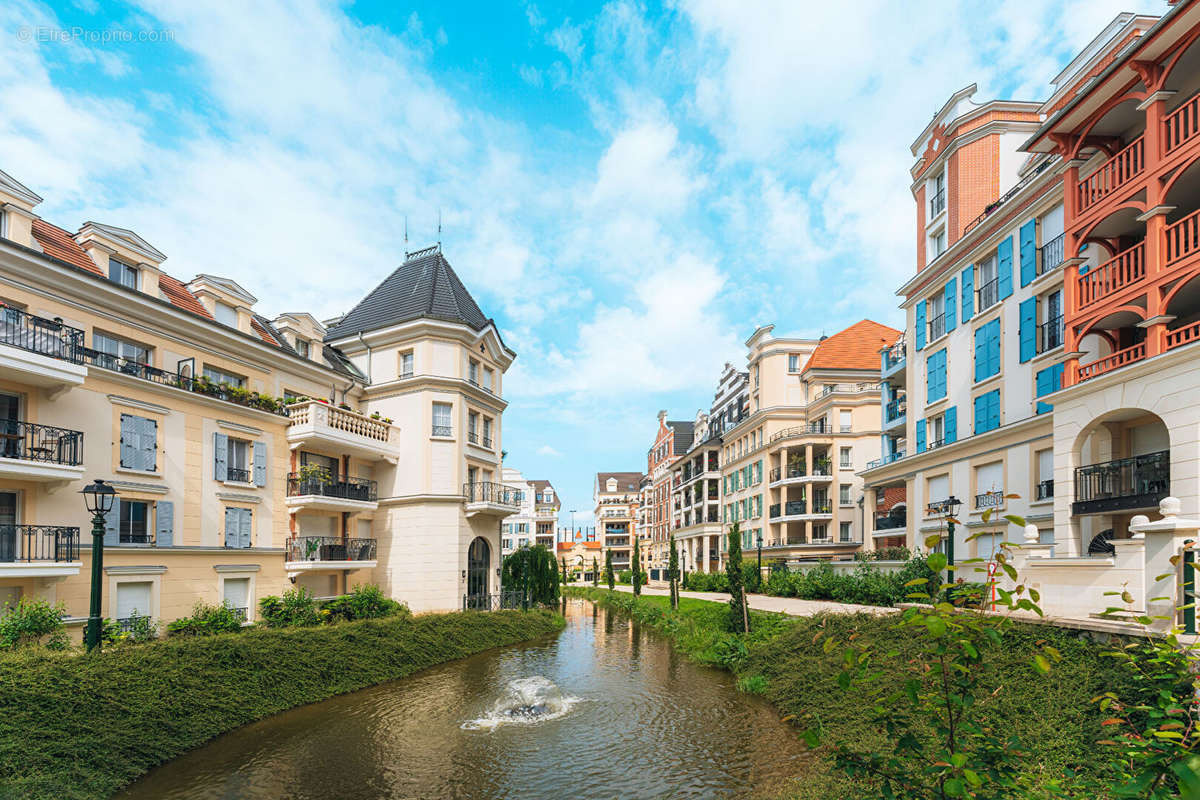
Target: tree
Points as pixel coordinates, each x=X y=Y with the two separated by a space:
x=637 y=567
x=532 y=571
x=564 y=571
x=739 y=614
x=609 y=577
x=595 y=572
x=673 y=573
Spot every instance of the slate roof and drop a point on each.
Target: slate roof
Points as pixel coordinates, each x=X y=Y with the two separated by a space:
x=626 y=481
x=684 y=433
x=540 y=486
x=857 y=347
x=423 y=287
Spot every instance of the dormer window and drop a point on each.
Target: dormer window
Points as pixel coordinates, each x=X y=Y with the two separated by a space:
x=119 y=272
x=225 y=314
x=302 y=347
x=473 y=372
x=612 y=485
x=219 y=376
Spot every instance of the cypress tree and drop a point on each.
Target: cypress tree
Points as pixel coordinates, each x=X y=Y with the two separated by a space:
x=637 y=567
x=673 y=573
x=739 y=614
x=595 y=572
x=609 y=577
x=564 y=571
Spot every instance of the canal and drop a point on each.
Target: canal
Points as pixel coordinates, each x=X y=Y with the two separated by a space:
x=605 y=709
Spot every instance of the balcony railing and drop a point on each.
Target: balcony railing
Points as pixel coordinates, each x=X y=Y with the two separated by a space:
x=793 y=471
x=896 y=409
x=1050 y=335
x=991 y=207
x=32 y=442
x=893 y=356
x=1183 y=237
x=39 y=335
x=820 y=506
x=1050 y=255
x=1123 y=484
x=937 y=203
x=891 y=520
x=937 y=326
x=1044 y=489
x=1107 y=364
x=487 y=492
x=800 y=430
x=1184 y=335
x=26 y=543
x=989 y=500
x=330 y=548
x=888 y=459
x=1181 y=125
x=1113 y=275
x=1112 y=175
x=340 y=419
x=988 y=294
x=324 y=484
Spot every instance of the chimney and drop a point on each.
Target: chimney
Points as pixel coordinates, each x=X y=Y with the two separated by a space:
x=662 y=415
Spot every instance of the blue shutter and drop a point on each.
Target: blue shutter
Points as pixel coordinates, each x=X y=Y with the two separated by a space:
x=920 y=325
x=920 y=436
x=148 y=444
x=1042 y=382
x=164 y=523
x=247 y=517
x=128 y=445
x=981 y=336
x=950 y=425
x=260 y=463
x=232 y=527
x=987 y=411
x=994 y=347
x=994 y=409
x=1004 y=267
x=220 y=454
x=1028 y=330
x=968 y=293
x=111 y=520
x=951 y=304
x=980 y=411
x=1028 y=236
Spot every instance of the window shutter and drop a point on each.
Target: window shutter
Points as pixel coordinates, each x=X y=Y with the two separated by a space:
x=231 y=527
x=950 y=425
x=920 y=325
x=951 y=304
x=994 y=364
x=1028 y=330
x=1042 y=383
x=1004 y=266
x=980 y=352
x=995 y=409
x=968 y=293
x=112 y=521
x=129 y=435
x=260 y=463
x=164 y=523
x=980 y=413
x=149 y=444
x=1028 y=237
x=920 y=436
x=220 y=454
x=245 y=525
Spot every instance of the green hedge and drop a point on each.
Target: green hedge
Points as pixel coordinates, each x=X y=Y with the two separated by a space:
x=78 y=726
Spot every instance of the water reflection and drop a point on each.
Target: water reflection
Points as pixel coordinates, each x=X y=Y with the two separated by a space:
x=649 y=723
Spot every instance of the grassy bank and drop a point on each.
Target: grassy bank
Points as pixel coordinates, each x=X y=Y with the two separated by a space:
x=781 y=660
x=83 y=726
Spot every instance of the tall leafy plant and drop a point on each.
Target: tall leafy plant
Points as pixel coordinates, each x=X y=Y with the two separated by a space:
x=532 y=571
x=609 y=577
x=673 y=573
x=637 y=567
x=595 y=572
x=739 y=613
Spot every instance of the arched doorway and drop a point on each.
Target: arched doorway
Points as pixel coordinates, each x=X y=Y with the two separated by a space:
x=479 y=558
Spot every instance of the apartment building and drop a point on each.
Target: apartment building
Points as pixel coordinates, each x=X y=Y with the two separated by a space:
x=696 y=500
x=617 y=497
x=248 y=454
x=537 y=517
x=964 y=417
x=672 y=439
x=579 y=553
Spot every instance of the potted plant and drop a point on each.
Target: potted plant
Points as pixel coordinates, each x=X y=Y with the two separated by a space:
x=311 y=546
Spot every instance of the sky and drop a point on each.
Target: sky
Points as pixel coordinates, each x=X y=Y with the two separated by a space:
x=629 y=189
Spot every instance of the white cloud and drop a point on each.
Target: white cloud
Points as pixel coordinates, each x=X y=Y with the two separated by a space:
x=548 y=451
x=645 y=170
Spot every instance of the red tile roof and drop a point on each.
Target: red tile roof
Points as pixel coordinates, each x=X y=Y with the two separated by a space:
x=180 y=297
x=857 y=347
x=262 y=332
x=59 y=244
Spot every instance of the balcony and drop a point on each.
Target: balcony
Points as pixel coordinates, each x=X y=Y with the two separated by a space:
x=545 y=511
x=989 y=500
x=1044 y=490
x=1181 y=125
x=38 y=351
x=328 y=554
x=888 y=459
x=490 y=499
x=892 y=361
x=1115 y=361
x=1112 y=175
x=38 y=551
x=1051 y=254
x=1124 y=269
x=1183 y=238
x=320 y=426
x=891 y=520
x=1050 y=335
x=319 y=490
x=895 y=413
x=937 y=326
x=1125 y=484
x=818 y=427
x=988 y=294
x=32 y=452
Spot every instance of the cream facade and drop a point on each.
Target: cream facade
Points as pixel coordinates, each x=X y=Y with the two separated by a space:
x=617 y=497
x=536 y=521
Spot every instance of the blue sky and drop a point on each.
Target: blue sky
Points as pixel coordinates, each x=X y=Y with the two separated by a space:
x=628 y=188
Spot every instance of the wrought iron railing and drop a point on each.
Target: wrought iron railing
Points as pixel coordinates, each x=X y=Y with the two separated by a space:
x=891 y=520
x=237 y=475
x=1050 y=255
x=330 y=548
x=800 y=430
x=989 y=500
x=937 y=326
x=792 y=471
x=937 y=203
x=888 y=459
x=39 y=335
x=896 y=409
x=1050 y=334
x=1123 y=484
x=988 y=294
x=1010 y=194
x=486 y=492
x=38 y=543
x=323 y=484
x=32 y=442
x=492 y=602
x=822 y=506
x=1045 y=489
x=443 y=430
x=127 y=624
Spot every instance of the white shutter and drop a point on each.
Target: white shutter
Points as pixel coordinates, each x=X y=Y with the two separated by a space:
x=989 y=478
x=247 y=527
x=148 y=444
x=220 y=456
x=128 y=445
x=164 y=522
x=133 y=598
x=260 y=463
x=237 y=592
x=232 y=527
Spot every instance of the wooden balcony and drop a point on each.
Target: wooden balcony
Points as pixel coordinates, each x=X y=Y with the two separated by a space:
x=322 y=426
x=1112 y=175
x=1123 y=270
x=1181 y=125
x=1115 y=361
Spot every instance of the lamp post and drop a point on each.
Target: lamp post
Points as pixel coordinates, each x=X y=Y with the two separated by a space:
x=99 y=498
x=758 y=583
x=949 y=509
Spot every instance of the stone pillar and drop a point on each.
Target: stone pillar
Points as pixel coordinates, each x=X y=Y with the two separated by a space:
x=1164 y=538
x=868 y=519
x=704 y=552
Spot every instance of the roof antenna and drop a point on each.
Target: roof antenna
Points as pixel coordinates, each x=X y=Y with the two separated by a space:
x=406 y=231
x=439 y=228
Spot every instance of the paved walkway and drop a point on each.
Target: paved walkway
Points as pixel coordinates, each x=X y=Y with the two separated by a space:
x=792 y=606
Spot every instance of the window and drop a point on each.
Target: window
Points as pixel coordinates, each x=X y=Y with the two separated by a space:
x=239 y=526
x=487 y=431
x=988 y=282
x=139 y=443
x=219 y=376
x=793 y=362
x=987 y=411
x=225 y=314
x=844 y=494
x=487 y=379
x=123 y=274
x=133 y=525
x=473 y=371
x=120 y=348
x=237 y=460
x=844 y=458
x=506 y=544
x=987 y=350
x=406 y=364
x=236 y=594
x=937 y=195
x=441 y=420
x=820 y=533
x=938 y=244
x=302 y=348
x=989 y=485
x=473 y=427
x=845 y=419
x=133 y=600
x=1044 y=489
x=3 y=224
x=1050 y=332
x=844 y=532
x=937 y=431
x=935 y=376
x=987 y=545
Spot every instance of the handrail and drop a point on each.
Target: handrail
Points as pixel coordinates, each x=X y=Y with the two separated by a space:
x=1123 y=167
x=323 y=484
x=317 y=412
x=1183 y=237
x=36 y=334
x=489 y=492
x=27 y=543
x=29 y=441
x=330 y=548
x=1181 y=124
x=1113 y=275
x=1107 y=364
x=1051 y=254
x=1184 y=335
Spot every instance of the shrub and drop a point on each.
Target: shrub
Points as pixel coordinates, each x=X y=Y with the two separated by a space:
x=625 y=576
x=206 y=620
x=364 y=602
x=33 y=622
x=142 y=629
x=297 y=608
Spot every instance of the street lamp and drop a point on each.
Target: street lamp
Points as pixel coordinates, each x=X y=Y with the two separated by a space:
x=99 y=498
x=949 y=509
x=758 y=583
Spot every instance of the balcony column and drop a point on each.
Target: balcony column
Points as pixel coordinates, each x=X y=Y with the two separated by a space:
x=704 y=551
x=1070 y=338
x=1163 y=540
x=869 y=511
x=1155 y=255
